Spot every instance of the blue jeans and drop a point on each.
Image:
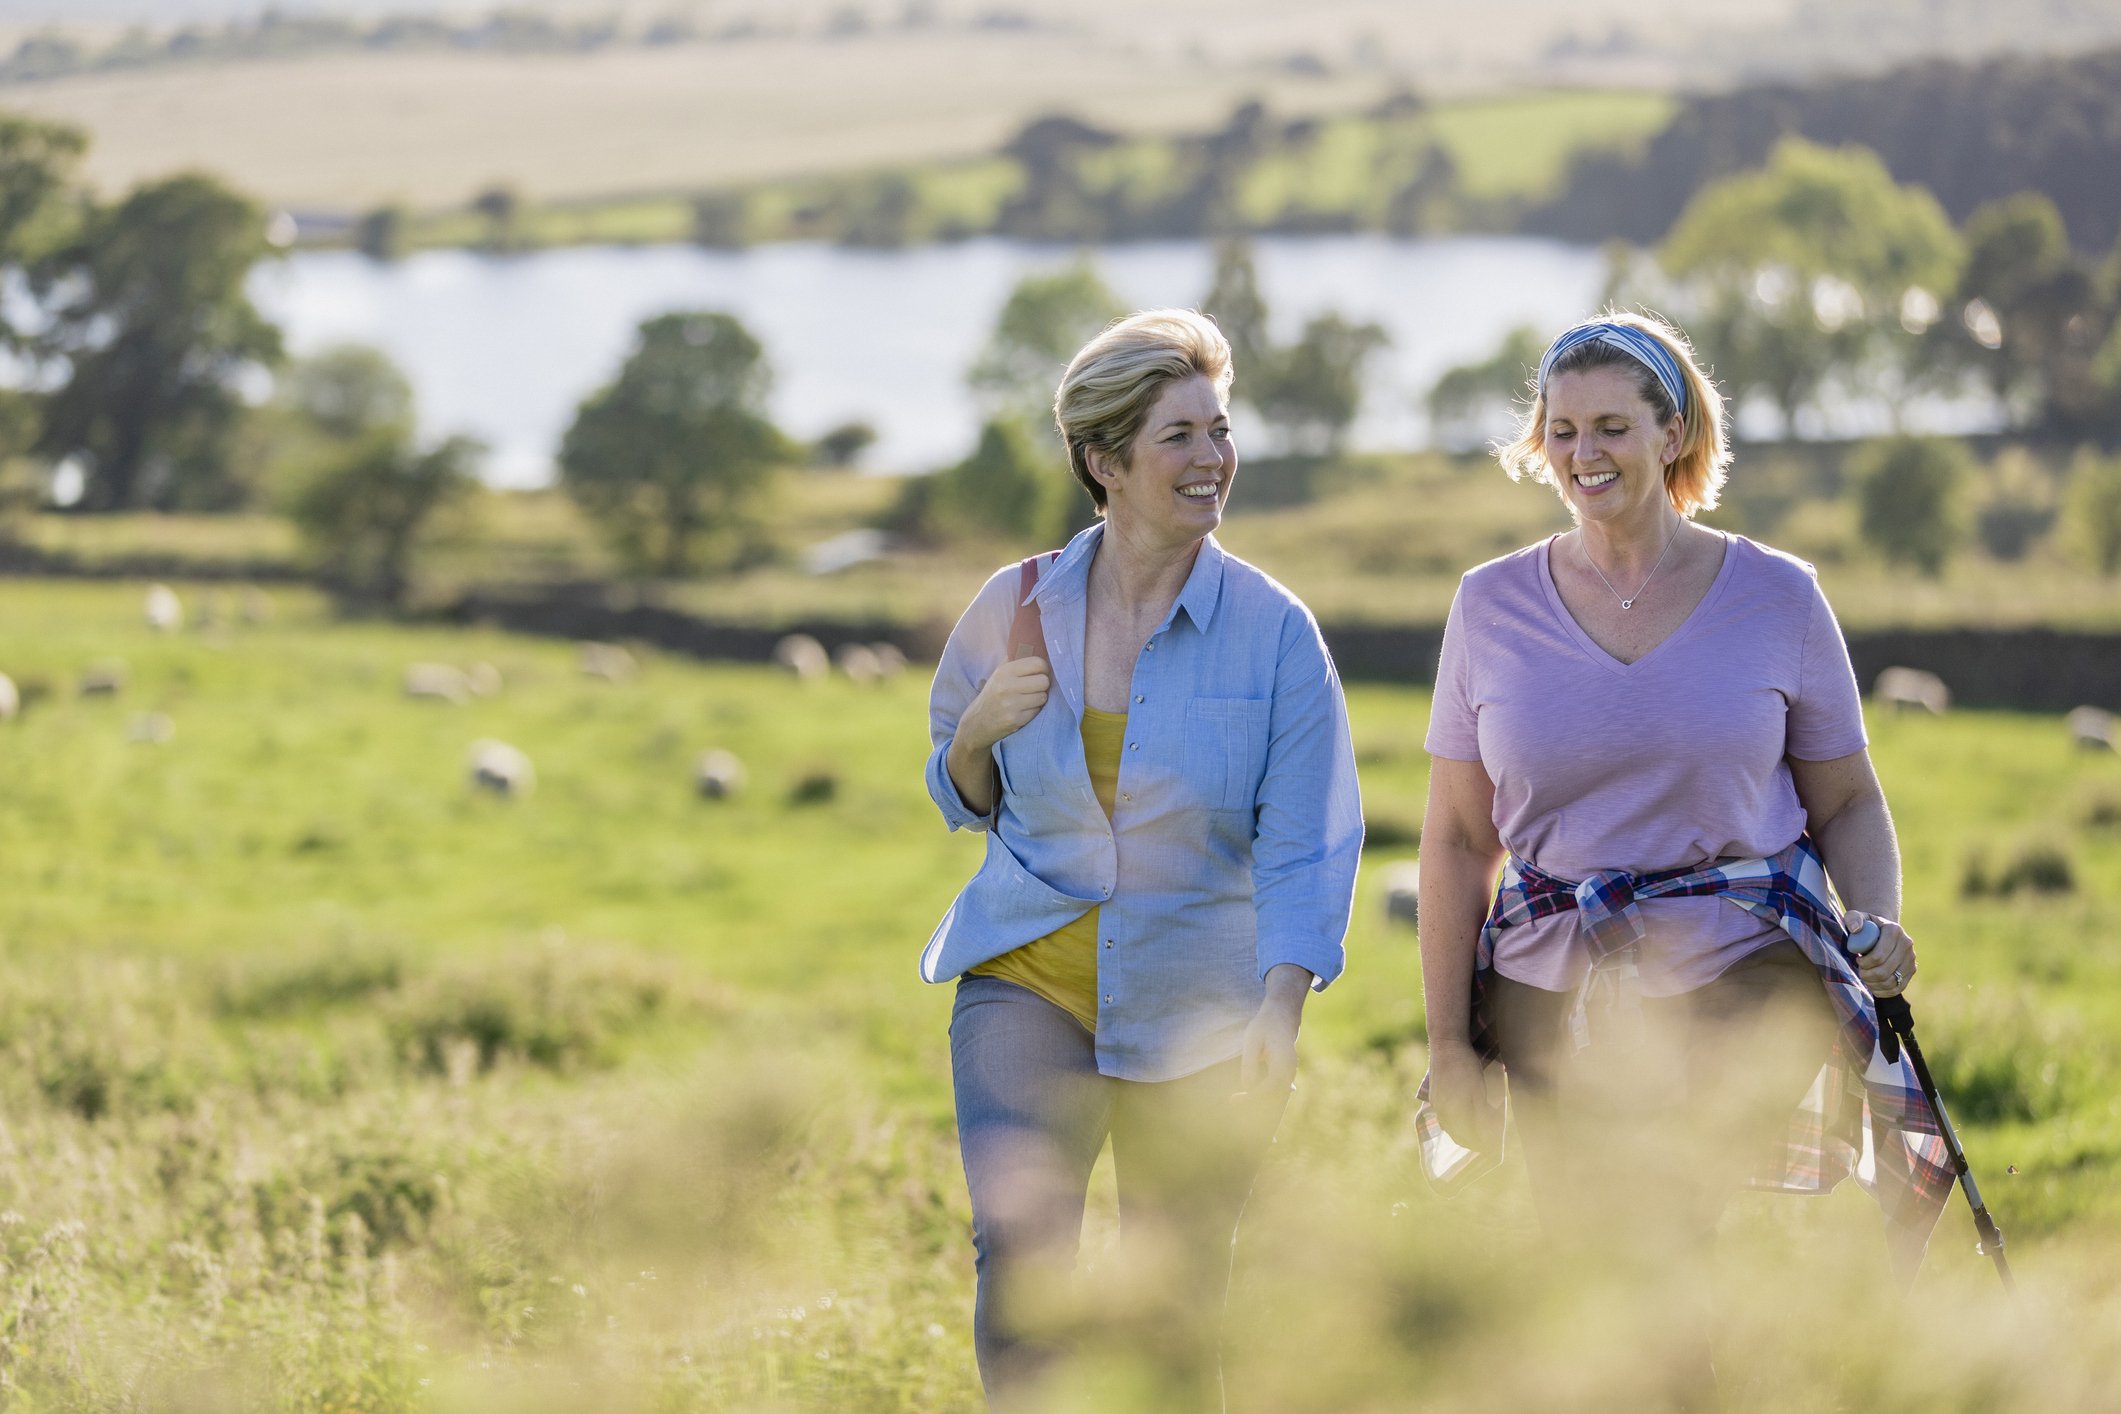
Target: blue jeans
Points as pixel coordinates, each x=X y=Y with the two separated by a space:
x=1032 y=1115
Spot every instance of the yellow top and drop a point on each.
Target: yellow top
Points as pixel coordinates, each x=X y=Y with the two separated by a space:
x=1062 y=966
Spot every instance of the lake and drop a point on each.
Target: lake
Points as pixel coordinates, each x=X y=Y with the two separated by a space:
x=505 y=347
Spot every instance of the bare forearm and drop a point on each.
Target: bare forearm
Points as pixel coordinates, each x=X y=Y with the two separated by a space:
x=1287 y=987
x=972 y=772
x=1862 y=855
x=1456 y=885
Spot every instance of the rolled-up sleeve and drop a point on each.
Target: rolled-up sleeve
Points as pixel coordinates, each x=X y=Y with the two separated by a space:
x=973 y=652
x=1308 y=838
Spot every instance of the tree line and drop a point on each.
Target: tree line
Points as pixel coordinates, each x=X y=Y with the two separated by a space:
x=1971 y=133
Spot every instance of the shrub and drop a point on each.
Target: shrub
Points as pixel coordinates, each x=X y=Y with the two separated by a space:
x=1908 y=495
x=2037 y=866
x=2095 y=509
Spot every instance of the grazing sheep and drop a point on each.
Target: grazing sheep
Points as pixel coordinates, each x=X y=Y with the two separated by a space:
x=165 y=611
x=153 y=728
x=103 y=679
x=10 y=700
x=1912 y=690
x=498 y=767
x=605 y=661
x=2091 y=728
x=858 y=662
x=889 y=658
x=802 y=655
x=437 y=682
x=720 y=775
x=1402 y=883
x=484 y=680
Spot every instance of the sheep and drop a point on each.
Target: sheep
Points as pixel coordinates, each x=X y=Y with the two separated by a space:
x=720 y=775
x=502 y=769
x=2091 y=728
x=1912 y=690
x=606 y=661
x=165 y=611
x=106 y=679
x=10 y=699
x=153 y=728
x=437 y=682
x=1402 y=885
x=858 y=662
x=889 y=658
x=802 y=655
x=484 y=679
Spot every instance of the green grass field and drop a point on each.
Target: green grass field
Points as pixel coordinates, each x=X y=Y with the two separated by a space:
x=333 y=1085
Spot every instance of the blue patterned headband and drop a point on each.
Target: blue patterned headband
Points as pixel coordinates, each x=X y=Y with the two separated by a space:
x=1644 y=349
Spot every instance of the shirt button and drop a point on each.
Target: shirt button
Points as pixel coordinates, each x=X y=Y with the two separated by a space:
x=1108 y=999
x=1108 y=942
x=1137 y=701
x=1126 y=795
x=1134 y=746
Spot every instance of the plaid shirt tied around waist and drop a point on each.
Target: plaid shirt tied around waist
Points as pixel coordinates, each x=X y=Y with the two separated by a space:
x=1864 y=1116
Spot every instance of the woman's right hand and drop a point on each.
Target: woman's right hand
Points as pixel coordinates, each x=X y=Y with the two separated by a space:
x=1458 y=1093
x=1005 y=704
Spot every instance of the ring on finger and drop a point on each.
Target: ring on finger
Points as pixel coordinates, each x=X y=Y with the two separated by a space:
x=1896 y=976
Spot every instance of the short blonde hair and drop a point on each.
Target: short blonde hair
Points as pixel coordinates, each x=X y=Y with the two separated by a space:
x=1111 y=385
x=1694 y=480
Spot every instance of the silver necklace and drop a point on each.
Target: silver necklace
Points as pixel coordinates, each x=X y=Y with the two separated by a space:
x=1629 y=602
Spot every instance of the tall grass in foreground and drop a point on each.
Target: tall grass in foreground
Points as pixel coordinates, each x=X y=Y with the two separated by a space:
x=329 y=1086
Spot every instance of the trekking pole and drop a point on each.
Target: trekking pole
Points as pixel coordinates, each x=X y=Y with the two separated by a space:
x=1896 y=1027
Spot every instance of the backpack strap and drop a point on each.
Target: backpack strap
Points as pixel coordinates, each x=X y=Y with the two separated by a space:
x=1027 y=633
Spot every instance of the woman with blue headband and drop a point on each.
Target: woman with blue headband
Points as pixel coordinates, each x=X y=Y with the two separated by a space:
x=1648 y=761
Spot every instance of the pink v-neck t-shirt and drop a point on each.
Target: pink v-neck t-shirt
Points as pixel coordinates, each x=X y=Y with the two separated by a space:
x=1678 y=758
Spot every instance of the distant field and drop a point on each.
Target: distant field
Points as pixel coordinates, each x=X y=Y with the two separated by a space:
x=432 y=130
x=332 y=1085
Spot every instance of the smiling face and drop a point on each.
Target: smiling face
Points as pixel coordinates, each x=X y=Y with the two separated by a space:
x=1180 y=466
x=1605 y=445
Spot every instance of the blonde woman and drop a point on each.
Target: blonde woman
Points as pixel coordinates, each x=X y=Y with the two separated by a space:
x=1153 y=738
x=1649 y=758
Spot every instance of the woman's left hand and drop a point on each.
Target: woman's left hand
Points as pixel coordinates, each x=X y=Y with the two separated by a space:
x=1267 y=1057
x=1890 y=964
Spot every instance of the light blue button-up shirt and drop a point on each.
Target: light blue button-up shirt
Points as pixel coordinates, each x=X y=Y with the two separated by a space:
x=1235 y=830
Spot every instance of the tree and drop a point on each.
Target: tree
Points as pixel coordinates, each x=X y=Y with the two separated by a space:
x=147 y=308
x=1240 y=311
x=37 y=162
x=843 y=445
x=1908 y=492
x=362 y=515
x=501 y=206
x=1469 y=399
x=380 y=235
x=1811 y=266
x=1315 y=386
x=672 y=457
x=2030 y=315
x=1007 y=487
x=350 y=391
x=721 y=220
x=2095 y=509
x=1046 y=319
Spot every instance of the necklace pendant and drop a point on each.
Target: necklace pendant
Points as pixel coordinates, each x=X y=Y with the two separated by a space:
x=1627 y=603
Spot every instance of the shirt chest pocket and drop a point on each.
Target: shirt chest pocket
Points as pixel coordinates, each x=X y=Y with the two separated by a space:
x=1226 y=749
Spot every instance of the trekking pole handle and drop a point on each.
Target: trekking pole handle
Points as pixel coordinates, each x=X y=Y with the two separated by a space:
x=1864 y=933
